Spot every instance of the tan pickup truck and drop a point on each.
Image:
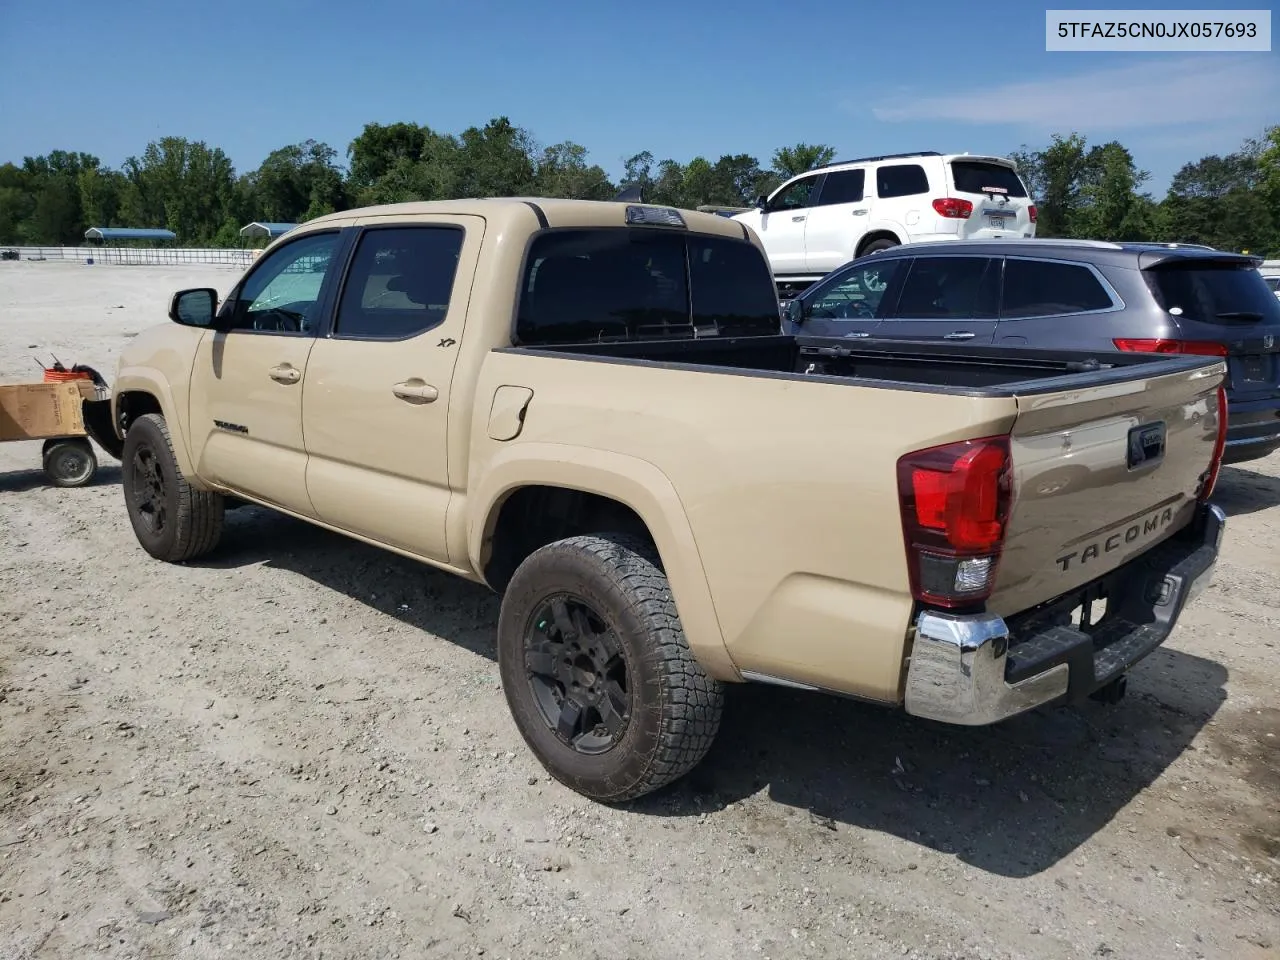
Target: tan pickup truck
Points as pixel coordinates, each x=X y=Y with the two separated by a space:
x=590 y=408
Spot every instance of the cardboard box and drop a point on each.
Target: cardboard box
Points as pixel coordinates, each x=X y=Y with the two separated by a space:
x=35 y=411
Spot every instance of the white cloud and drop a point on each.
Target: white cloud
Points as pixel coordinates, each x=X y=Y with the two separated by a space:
x=1151 y=93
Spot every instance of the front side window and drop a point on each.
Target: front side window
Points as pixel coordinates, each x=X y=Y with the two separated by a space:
x=282 y=294
x=949 y=288
x=796 y=196
x=1042 y=288
x=857 y=294
x=400 y=282
x=616 y=284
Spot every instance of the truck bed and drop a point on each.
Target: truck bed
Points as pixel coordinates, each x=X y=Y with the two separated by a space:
x=982 y=371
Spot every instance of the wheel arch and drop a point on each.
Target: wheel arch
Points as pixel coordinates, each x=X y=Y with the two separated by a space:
x=871 y=236
x=565 y=490
x=138 y=392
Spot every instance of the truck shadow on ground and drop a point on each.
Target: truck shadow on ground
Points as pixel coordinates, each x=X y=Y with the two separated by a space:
x=1241 y=491
x=1013 y=799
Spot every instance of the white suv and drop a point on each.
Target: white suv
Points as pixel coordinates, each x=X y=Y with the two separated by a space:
x=823 y=218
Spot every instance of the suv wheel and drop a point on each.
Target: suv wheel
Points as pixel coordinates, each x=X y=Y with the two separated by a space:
x=882 y=244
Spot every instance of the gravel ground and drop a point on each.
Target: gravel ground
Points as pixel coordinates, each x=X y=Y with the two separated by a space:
x=299 y=747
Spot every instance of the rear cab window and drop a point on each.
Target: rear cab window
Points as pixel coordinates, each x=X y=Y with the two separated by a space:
x=627 y=283
x=976 y=176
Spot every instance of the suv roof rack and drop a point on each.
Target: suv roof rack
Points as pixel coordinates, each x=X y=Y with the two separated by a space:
x=886 y=156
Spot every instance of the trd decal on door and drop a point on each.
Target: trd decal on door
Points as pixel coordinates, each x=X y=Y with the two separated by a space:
x=233 y=427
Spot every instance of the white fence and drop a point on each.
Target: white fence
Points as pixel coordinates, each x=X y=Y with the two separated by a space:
x=141 y=256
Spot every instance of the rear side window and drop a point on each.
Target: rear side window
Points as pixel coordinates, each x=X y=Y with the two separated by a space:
x=1213 y=292
x=972 y=176
x=946 y=288
x=1038 y=288
x=901 y=180
x=399 y=283
x=591 y=285
x=843 y=186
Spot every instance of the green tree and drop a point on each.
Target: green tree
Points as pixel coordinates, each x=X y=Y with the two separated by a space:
x=563 y=171
x=789 y=161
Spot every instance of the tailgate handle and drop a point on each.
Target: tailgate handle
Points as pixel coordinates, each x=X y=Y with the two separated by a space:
x=959 y=335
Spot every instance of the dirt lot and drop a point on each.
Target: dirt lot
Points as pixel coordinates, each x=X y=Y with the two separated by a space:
x=300 y=748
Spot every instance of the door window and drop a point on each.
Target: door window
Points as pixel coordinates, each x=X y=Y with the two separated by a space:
x=949 y=288
x=843 y=186
x=399 y=283
x=282 y=294
x=796 y=196
x=856 y=295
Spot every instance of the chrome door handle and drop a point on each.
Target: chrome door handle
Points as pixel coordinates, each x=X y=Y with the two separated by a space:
x=859 y=213
x=285 y=374
x=959 y=335
x=415 y=391
x=859 y=335
x=798 y=219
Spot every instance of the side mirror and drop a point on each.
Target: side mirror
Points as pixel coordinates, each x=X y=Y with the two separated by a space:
x=793 y=311
x=761 y=202
x=195 y=307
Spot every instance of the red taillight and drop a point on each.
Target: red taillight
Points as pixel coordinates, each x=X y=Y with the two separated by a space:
x=953 y=208
x=955 y=502
x=1219 y=448
x=1031 y=212
x=1206 y=348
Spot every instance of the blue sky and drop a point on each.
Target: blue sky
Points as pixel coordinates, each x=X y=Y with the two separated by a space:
x=677 y=79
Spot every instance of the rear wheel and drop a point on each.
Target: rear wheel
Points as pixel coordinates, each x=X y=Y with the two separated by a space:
x=69 y=463
x=597 y=672
x=883 y=243
x=172 y=520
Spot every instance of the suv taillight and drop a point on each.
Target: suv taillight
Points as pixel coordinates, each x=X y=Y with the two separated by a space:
x=1207 y=348
x=955 y=502
x=953 y=208
x=1219 y=448
x=1031 y=212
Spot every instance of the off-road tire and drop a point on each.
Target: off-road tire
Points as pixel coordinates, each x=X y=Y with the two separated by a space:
x=70 y=462
x=674 y=705
x=192 y=519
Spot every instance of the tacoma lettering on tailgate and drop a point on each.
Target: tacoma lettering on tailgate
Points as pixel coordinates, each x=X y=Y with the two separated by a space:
x=1134 y=531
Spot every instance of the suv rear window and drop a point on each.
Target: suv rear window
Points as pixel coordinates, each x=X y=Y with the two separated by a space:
x=1213 y=292
x=973 y=176
x=618 y=283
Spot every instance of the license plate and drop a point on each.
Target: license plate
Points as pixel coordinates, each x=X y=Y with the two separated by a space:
x=1254 y=368
x=997 y=222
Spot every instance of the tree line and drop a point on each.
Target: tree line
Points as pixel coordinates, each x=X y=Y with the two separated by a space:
x=1231 y=202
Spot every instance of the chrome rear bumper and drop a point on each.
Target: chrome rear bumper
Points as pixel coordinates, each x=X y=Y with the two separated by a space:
x=975 y=670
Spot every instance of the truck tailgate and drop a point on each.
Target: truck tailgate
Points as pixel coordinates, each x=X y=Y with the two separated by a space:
x=1102 y=473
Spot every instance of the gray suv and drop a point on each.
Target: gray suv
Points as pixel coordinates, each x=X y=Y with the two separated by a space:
x=1068 y=294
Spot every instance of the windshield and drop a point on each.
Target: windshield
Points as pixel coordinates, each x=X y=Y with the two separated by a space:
x=611 y=283
x=1213 y=292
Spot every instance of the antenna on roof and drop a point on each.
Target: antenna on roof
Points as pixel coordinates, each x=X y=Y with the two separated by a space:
x=629 y=194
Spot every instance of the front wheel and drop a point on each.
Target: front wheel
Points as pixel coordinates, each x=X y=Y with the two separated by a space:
x=597 y=672
x=172 y=520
